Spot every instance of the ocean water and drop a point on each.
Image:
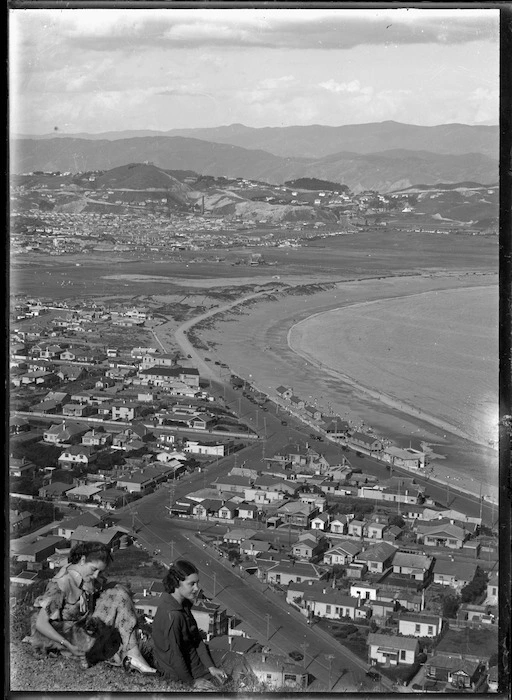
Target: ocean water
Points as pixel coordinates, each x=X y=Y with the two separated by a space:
x=436 y=352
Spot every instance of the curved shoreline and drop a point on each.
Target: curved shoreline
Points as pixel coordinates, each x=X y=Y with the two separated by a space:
x=383 y=397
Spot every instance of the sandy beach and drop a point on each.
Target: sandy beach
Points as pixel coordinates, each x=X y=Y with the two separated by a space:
x=255 y=343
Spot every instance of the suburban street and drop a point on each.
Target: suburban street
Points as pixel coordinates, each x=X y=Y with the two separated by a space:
x=266 y=615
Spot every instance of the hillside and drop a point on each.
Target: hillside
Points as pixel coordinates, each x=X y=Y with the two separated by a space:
x=141 y=176
x=316 y=141
x=384 y=171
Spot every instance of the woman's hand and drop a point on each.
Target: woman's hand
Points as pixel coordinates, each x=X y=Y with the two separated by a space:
x=217 y=674
x=73 y=650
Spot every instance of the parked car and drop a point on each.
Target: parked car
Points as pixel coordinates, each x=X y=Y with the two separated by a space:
x=296 y=655
x=283 y=422
x=373 y=674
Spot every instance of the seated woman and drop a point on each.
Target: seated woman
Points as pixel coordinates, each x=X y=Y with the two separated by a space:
x=79 y=595
x=180 y=653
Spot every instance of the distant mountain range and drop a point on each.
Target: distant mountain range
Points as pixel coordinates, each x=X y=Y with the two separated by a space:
x=316 y=141
x=384 y=157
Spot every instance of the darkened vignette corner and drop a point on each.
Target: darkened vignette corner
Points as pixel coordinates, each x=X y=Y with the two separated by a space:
x=305 y=428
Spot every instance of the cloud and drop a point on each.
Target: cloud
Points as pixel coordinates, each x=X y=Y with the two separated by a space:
x=353 y=87
x=135 y=30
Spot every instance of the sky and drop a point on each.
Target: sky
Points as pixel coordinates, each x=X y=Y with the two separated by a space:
x=94 y=70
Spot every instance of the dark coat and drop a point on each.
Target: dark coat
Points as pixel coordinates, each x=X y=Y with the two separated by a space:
x=179 y=652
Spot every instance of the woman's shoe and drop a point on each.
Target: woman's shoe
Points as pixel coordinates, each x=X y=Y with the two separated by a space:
x=133 y=664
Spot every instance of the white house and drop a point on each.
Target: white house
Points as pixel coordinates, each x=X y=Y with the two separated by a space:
x=342 y=553
x=418 y=625
x=364 y=591
x=384 y=649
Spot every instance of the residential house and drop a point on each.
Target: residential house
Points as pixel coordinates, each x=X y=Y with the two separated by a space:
x=65 y=433
x=139 y=482
x=356 y=528
x=456 y=574
x=335 y=426
x=237 y=536
x=247 y=511
x=109 y=536
x=341 y=554
x=67 y=527
x=97 y=437
x=284 y=392
x=380 y=492
x=362 y=442
x=313 y=412
x=110 y=498
x=296 y=402
x=83 y=492
x=227 y=511
x=419 y=625
x=20 y=467
x=276 y=671
x=211 y=619
x=339 y=524
x=285 y=572
x=46 y=407
x=125 y=411
x=55 y=490
x=392 y=650
x=407 y=458
x=70 y=373
x=19 y=520
x=215 y=449
x=364 y=590
x=35 y=553
x=77 y=455
x=375 y=531
x=445 y=535
x=416 y=566
x=254 y=548
x=18 y=425
x=321 y=522
x=382 y=610
x=377 y=557
x=455 y=670
x=493 y=680
x=492 y=589
x=78 y=410
x=296 y=513
x=308 y=547
x=333 y=604
x=233 y=484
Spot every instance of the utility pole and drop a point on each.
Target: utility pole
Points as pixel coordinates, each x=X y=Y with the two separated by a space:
x=329 y=658
x=214 y=583
x=172 y=549
x=304 y=647
x=268 y=618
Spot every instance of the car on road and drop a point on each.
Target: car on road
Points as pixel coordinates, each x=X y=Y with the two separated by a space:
x=283 y=422
x=373 y=674
x=296 y=655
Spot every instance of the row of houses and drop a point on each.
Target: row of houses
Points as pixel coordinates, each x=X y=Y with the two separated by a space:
x=343 y=431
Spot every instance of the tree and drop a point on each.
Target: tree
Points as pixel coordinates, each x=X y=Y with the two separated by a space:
x=472 y=592
x=397 y=520
x=450 y=606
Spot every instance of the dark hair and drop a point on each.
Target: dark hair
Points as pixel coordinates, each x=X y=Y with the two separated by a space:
x=177 y=573
x=92 y=551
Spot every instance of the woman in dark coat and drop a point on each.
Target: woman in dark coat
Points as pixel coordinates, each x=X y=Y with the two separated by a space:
x=180 y=653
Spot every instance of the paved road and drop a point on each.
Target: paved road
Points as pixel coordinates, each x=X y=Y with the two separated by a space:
x=266 y=615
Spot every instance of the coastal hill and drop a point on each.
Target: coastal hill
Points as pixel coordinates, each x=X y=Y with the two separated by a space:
x=316 y=141
x=383 y=171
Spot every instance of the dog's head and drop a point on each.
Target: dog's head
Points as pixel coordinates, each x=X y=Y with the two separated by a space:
x=99 y=640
